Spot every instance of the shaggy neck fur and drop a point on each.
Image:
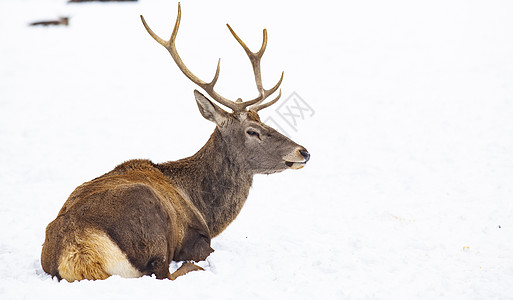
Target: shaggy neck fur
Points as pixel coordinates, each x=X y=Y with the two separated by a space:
x=215 y=179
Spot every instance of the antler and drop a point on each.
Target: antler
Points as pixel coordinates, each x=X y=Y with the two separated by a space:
x=255 y=62
x=239 y=105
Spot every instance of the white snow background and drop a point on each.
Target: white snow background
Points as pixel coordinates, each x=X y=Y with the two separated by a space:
x=409 y=191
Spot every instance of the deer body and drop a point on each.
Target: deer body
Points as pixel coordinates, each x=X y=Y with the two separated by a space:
x=137 y=218
x=145 y=209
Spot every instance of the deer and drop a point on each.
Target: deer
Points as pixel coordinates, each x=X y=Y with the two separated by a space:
x=141 y=216
x=61 y=21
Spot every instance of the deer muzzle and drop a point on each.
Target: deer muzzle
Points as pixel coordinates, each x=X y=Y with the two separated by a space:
x=297 y=159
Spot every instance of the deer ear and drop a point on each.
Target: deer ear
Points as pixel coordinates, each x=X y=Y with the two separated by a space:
x=209 y=110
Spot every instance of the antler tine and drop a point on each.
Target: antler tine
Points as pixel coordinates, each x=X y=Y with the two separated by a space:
x=208 y=87
x=255 y=63
x=257 y=107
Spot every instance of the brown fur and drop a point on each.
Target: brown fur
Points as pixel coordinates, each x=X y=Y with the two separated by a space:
x=140 y=216
x=136 y=207
x=154 y=213
x=137 y=218
x=94 y=246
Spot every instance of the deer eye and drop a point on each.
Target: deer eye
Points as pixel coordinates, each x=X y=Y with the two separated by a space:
x=253 y=133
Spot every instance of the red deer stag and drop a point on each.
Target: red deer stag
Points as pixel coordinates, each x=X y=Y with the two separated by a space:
x=137 y=218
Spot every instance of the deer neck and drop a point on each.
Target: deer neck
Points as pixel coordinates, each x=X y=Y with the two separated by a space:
x=215 y=180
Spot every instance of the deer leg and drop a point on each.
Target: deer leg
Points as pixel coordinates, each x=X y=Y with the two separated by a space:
x=184 y=269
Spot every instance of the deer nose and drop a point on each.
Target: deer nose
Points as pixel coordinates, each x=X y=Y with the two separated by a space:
x=305 y=155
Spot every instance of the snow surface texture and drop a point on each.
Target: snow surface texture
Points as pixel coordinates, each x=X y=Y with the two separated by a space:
x=409 y=192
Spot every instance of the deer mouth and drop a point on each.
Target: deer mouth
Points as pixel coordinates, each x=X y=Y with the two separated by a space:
x=295 y=165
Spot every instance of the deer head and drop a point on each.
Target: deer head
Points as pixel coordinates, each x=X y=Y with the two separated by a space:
x=259 y=147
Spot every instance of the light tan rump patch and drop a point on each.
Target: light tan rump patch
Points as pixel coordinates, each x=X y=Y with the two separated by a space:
x=93 y=255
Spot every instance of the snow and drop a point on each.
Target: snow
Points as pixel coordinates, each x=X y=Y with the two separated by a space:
x=409 y=192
